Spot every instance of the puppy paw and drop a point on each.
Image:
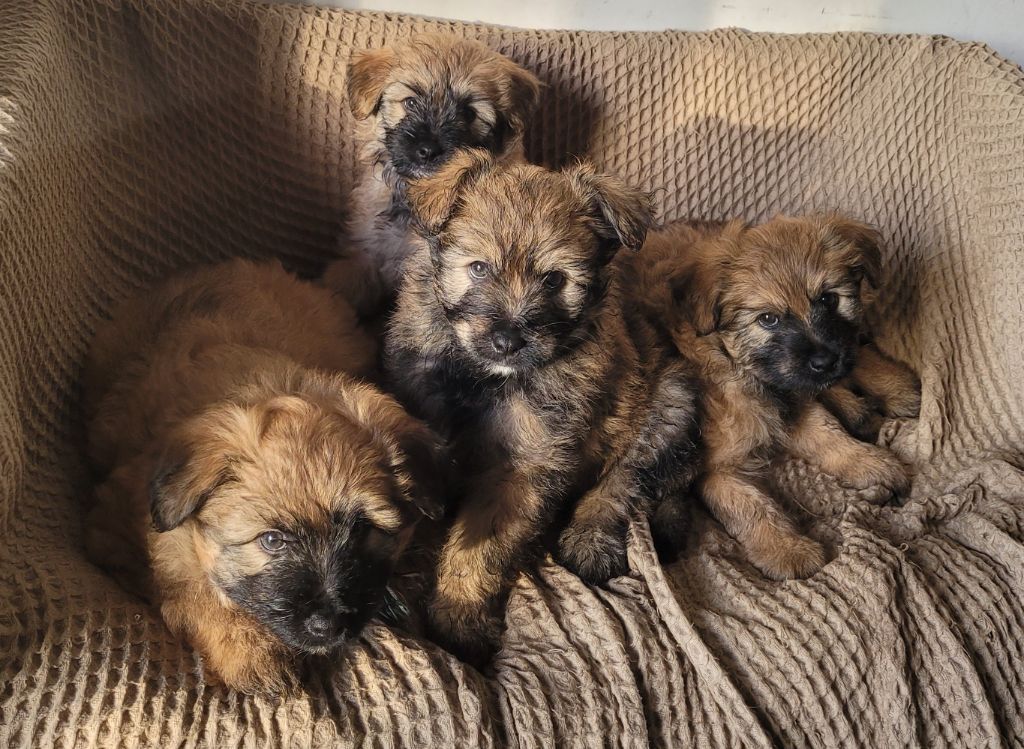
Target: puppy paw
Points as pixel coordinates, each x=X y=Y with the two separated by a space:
x=593 y=553
x=258 y=670
x=472 y=636
x=905 y=402
x=794 y=556
x=876 y=467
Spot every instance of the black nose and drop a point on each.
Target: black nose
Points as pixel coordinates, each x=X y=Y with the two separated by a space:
x=823 y=360
x=319 y=625
x=427 y=149
x=506 y=339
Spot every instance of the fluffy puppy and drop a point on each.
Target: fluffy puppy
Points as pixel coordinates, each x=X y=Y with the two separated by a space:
x=416 y=104
x=249 y=485
x=511 y=336
x=771 y=317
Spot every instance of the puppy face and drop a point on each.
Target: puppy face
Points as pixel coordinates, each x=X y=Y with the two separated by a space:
x=297 y=508
x=520 y=255
x=435 y=94
x=786 y=297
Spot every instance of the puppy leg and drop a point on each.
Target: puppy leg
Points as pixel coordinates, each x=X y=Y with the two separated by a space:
x=660 y=463
x=753 y=518
x=498 y=519
x=820 y=439
x=593 y=545
x=891 y=383
x=237 y=651
x=860 y=416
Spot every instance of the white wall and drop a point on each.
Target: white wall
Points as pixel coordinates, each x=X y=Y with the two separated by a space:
x=1000 y=23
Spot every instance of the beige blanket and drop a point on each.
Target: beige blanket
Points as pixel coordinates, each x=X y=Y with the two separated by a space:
x=137 y=136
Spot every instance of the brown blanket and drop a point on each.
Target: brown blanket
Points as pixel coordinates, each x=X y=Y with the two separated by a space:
x=137 y=136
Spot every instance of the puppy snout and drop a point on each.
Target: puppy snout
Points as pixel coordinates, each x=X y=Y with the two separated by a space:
x=428 y=148
x=325 y=624
x=823 y=360
x=506 y=339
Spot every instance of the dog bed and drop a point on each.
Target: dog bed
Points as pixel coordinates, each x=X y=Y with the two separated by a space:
x=138 y=136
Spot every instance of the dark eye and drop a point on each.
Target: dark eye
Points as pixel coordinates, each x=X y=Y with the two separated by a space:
x=479 y=269
x=768 y=320
x=273 y=541
x=554 y=280
x=468 y=113
x=829 y=300
x=408 y=101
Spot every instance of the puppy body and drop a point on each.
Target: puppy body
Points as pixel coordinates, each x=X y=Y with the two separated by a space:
x=248 y=484
x=771 y=317
x=511 y=336
x=416 y=104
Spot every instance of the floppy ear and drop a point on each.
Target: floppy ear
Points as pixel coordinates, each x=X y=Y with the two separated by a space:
x=187 y=473
x=520 y=96
x=416 y=455
x=697 y=293
x=698 y=283
x=368 y=72
x=433 y=199
x=621 y=215
x=865 y=258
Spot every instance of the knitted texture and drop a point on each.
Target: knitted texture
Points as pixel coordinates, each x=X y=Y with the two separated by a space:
x=139 y=136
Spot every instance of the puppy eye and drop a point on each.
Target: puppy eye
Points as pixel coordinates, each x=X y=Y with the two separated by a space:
x=273 y=541
x=554 y=280
x=768 y=320
x=479 y=269
x=468 y=113
x=829 y=300
x=408 y=101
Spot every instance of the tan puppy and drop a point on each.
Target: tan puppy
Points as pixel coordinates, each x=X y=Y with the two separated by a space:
x=511 y=336
x=416 y=104
x=771 y=316
x=249 y=486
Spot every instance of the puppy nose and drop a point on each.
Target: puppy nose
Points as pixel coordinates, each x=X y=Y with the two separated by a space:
x=823 y=360
x=319 y=625
x=427 y=148
x=506 y=339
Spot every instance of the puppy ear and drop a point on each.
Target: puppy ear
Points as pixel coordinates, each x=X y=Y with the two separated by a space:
x=697 y=294
x=698 y=283
x=521 y=94
x=621 y=215
x=187 y=473
x=416 y=455
x=368 y=72
x=423 y=456
x=434 y=199
x=862 y=251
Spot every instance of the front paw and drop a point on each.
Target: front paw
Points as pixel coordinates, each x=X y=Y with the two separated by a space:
x=784 y=555
x=255 y=669
x=471 y=634
x=877 y=467
x=593 y=553
x=905 y=401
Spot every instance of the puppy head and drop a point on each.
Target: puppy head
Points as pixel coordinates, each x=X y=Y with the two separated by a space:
x=296 y=506
x=435 y=94
x=520 y=255
x=786 y=297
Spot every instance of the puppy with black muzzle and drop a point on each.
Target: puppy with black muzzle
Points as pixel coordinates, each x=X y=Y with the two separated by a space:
x=771 y=317
x=249 y=484
x=512 y=337
x=416 y=104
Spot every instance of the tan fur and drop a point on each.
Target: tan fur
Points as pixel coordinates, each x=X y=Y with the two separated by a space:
x=579 y=425
x=228 y=397
x=707 y=285
x=368 y=272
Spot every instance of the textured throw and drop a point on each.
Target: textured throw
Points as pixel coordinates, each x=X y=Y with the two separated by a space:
x=138 y=136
